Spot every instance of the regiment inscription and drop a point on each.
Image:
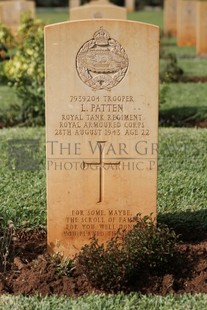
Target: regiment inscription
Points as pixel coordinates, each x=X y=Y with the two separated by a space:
x=102 y=126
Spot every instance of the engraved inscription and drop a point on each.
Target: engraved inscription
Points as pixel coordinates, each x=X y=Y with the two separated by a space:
x=101 y=62
x=86 y=223
x=104 y=116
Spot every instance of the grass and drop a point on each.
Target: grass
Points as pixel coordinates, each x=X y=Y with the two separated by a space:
x=22 y=192
x=185 y=103
x=192 y=66
x=110 y=302
x=151 y=17
x=7 y=97
x=181 y=52
x=182 y=171
x=182 y=178
x=51 y=16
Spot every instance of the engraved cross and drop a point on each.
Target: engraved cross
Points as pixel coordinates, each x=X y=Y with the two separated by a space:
x=101 y=165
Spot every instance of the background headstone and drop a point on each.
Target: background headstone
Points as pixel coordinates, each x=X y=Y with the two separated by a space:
x=186 y=23
x=74 y=3
x=130 y=5
x=102 y=127
x=201 y=41
x=170 y=17
x=12 y=11
x=98 y=9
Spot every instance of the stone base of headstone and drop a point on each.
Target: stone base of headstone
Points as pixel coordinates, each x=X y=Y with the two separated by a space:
x=201 y=42
x=186 y=23
x=170 y=17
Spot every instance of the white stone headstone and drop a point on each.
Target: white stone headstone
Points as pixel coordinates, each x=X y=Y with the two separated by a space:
x=186 y=22
x=201 y=41
x=12 y=11
x=98 y=9
x=102 y=128
x=170 y=17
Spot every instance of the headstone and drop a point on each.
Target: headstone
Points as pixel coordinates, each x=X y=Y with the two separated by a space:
x=186 y=23
x=201 y=42
x=170 y=17
x=12 y=11
x=102 y=127
x=74 y=3
x=98 y=9
x=0 y=14
x=130 y=5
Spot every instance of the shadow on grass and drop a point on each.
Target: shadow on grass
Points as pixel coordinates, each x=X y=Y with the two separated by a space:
x=182 y=116
x=191 y=225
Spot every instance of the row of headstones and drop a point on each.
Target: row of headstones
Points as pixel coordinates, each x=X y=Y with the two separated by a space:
x=187 y=20
x=11 y=10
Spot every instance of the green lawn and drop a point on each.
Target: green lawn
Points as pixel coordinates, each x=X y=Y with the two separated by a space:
x=7 y=97
x=102 y=302
x=192 y=66
x=185 y=103
x=151 y=17
x=51 y=16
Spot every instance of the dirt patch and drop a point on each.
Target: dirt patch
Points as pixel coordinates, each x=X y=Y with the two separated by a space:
x=30 y=270
x=201 y=123
x=195 y=79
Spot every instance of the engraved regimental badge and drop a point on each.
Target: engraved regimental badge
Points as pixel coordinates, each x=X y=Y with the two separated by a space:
x=101 y=62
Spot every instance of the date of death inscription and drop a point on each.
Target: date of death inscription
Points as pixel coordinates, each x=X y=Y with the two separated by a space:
x=103 y=116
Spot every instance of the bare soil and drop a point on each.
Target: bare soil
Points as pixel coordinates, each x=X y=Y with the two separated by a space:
x=30 y=270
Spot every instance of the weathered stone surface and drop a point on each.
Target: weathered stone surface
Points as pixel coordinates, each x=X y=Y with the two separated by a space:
x=201 y=42
x=130 y=5
x=74 y=3
x=186 y=22
x=102 y=127
x=98 y=9
x=170 y=17
x=12 y=11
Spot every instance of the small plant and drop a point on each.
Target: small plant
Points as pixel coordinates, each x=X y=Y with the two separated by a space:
x=64 y=267
x=7 y=40
x=25 y=71
x=7 y=236
x=147 y=247
x=171 y=72
x=164 y=90
x=7 y=43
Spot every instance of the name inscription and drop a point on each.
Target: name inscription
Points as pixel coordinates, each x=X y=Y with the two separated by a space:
x=103 y=116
